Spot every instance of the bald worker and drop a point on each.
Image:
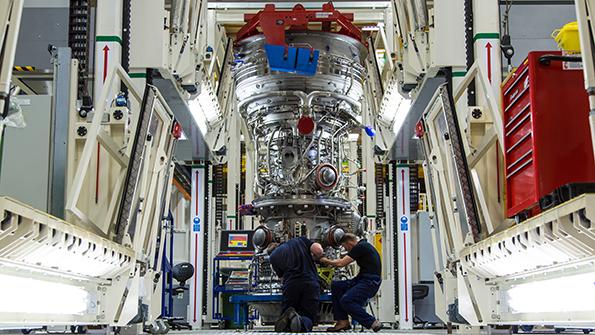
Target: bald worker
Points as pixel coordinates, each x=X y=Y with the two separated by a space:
x=293 y=262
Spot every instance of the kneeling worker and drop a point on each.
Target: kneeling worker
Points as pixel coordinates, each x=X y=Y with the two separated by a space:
x=350 y=297
x=293 y=262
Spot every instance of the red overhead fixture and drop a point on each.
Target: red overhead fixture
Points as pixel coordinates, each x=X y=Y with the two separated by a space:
x=273 y=23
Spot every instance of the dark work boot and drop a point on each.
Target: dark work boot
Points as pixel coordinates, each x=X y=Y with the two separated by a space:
x=285 y=319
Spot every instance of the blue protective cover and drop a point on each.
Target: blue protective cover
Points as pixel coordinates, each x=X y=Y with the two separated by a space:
x=370 y=131
x=295 y=60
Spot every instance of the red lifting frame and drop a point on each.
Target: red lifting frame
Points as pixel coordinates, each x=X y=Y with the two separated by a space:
x=273 y=22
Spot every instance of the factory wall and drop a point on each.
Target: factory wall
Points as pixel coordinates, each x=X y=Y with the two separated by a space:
x=531 y=27
x=43 y=22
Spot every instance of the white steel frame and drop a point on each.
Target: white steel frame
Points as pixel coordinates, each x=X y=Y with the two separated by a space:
x=586 y=24
x=10 y=21
x=555 y=244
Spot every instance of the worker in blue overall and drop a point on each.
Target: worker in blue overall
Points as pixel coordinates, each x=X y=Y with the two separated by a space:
x=350 y=297
x=293 y=262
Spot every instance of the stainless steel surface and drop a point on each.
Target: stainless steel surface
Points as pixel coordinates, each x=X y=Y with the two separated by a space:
x=299 y=184
x=300 y=187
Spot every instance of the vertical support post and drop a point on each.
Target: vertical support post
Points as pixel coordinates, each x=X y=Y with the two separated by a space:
x=108 y=55
x=197 y=212
x=369 y=175
x=73 y=118
x=388 y=293
x=404 y=245
x=584 y=10
x=108 y=42
x=59 y=131
x=488 y=56
x=11 y=22
x=249 y=191
x=487 y=41
x=233 y=170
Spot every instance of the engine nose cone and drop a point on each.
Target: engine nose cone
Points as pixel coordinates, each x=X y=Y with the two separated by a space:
x=327 y=176
x=262 y=237
x=334 y=236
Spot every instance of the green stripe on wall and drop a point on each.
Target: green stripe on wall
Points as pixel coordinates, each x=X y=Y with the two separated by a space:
x=459 y=74
x=112 y=38
x=138 y=75
x=486 y=36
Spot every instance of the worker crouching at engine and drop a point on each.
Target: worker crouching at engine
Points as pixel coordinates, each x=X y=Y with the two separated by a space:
x=293 y=262
x=350 y=297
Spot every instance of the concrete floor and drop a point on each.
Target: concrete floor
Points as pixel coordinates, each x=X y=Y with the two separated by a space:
x=319 y=332
x=383 y=332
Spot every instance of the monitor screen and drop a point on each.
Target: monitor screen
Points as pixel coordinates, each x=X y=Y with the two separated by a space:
x=236 y=240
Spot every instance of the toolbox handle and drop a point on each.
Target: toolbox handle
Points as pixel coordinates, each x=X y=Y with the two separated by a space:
x=547 y=59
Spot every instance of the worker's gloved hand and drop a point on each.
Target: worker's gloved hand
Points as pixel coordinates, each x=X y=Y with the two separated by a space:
x=270 y=248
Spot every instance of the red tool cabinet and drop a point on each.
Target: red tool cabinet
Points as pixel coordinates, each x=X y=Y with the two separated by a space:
x=547 y=138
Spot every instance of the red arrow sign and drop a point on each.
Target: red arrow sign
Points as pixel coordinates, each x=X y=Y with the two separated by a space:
x=489 y=55
x=405 y=276
x=196 y=193
x=195 y=272
x=406 y=284
x=195 y=243
x=403 y=189
x=105 y=61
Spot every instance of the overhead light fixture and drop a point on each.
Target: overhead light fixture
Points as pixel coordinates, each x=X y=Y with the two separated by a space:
x=401 y=114
x=574 y=293
x=205 y=108
x=32 y=296
x=507 y=263
x=198 y=115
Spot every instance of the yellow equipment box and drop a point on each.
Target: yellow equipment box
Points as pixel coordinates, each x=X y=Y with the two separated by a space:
x=567 y=38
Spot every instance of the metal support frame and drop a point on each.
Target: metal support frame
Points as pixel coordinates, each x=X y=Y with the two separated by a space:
x=10 y=22
x=61 y=110
x=197 y=243
x=478 y=277
x=454 y=184
x=35 y=245
x=108 y=44
x=557 y=245
x=97 y=137
x=234 y=158
x=404 y=252
x=445 y=180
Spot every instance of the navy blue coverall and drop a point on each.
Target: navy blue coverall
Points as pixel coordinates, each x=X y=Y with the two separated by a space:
x=293 y=263
x=350 y=297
